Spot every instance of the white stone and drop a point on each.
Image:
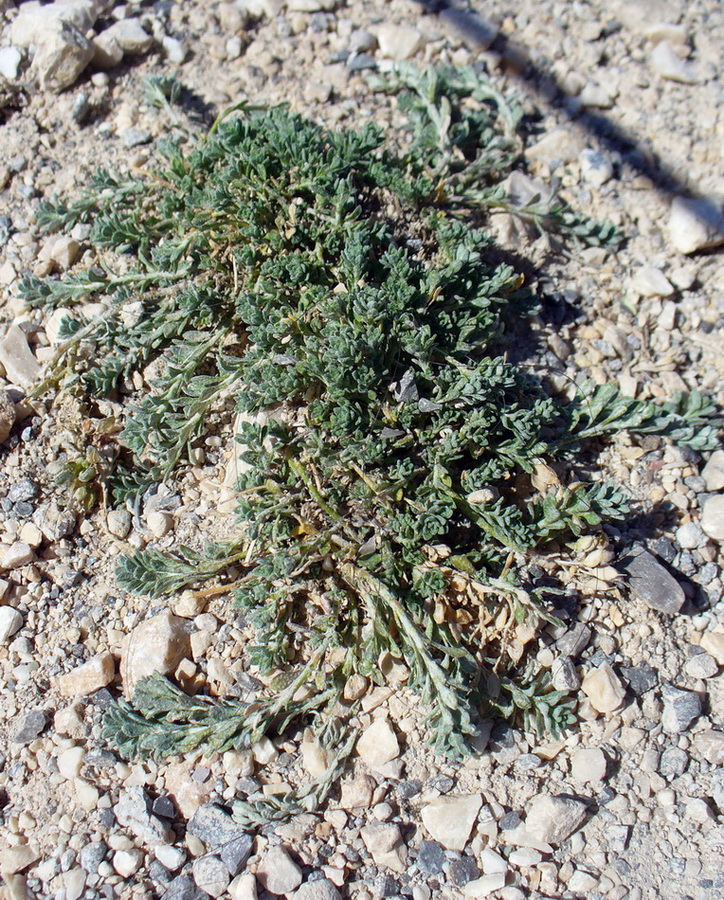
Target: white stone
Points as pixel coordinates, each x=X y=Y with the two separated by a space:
x=385 y=844
x=493 y=863
x=70 y=762
x=159 y=523
x=713 y=471
x=75 y=880
x=156 y=645
x=315 y=758
x=118 y=522
x=88 y=678
x=582 y=882
x=175 y=50
x=10 y=58
x=64 y=252
x=35 y=22
x=553 y=819
x=450 y=820
x=588 y=766
x=558 y=145
x=107 y=52
x=525 y=858
x=264 y=751
x=713 y=643
x=127 y=862
x=211 y=875
x=398 y=42
x=21 y=366
x=15 y=859
x=61 y=57
x=308 y=6
x=603 y=688
x=17 y=555
x=485 y=886
x=130 y=36
x=379 y=744
x=11 y=621
x=712 y=518
x=278 y=872
x=669 y=65
x=596 y=167
x=651 y=282
x=243 y=887
x=171 y=857
x=595 y=96
x=321 y=889
x=695 y=224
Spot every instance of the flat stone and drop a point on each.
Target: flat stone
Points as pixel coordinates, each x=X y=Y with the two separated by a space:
x=156 y=645
x=278 y=872
x=16 y=859
x=713 y=643
x=398 y=42
x=357 y=793
x=11 y=621
x=709 y=745
x=695 y=224
x=588 y=766
x=653 y=584
x=32 y=725
x=214 y=826
x=183 y=888
x=712 y=518
x=554 y=819
x=21 y=366
x=669 y=65
x=211 y=875
x=61 y=57
x=430 y=858
x=681 y=708
x=701 y=665
x=485 y=886
x=97 y=673
x=603 y=688
x=133 y=811
x=321 y=889
x=378 y=745
x=689 y=536
x=713 y=471
x=450 y=820
x=651 y=282
x=385 y=845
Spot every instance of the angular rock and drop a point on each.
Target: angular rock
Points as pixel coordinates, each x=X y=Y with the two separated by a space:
x=651 y=583
x=357 y=794
x=107 y=52
x=669 y=65
x=156 y=645
x=713 y=643
x=378 y=745
x=603 y=688
x=31 y=726
x=211 y=875
x=54 y=523
x=709 y=745
x=554 y=819
x=11 y=621
x=61 y=57
x=16 y=859
x=712 y=518
x=7 y=415
x=430 y=858
x=398 y=42
x=214 y=826
x=695 y=224
x=588 y=766
x=10 y=58
x=701 y=665
x=450 y=820
x=681 y=708
x=235 y=854
x=97 y=673
x=651 y=282
x=713 y=471
x=322 y=889
x=21 y=366
x=385 y=845
x=560 y=145
x=278 y=872
x=130 y=35
x=133 y=811
x=183 y=888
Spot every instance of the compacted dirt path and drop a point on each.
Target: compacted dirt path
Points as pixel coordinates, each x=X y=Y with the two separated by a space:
x=626 y=121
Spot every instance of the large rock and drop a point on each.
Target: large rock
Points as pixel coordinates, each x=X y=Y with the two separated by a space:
x=695 y=224
x=156 y=645
x=653 y=584
x=278 y=873
x=450 y=820
x=378 y=745
x=88 y=678
x=604 y=689
x=61 y=57
x=553 y=819
x=35 y=22
x=133 y=811
x=385 y=845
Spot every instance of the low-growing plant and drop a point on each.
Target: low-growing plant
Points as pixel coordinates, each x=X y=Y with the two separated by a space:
x=344 y=294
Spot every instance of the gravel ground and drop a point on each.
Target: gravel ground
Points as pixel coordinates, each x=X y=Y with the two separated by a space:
x=630 y=803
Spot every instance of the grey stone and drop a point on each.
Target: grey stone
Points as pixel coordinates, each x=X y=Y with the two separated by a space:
x=183 y=888
x=7 y=415
x=681 y=708
x=564 y=676
x=575 y=641
x=136 y=137
x=408 y=789
x=640 y=678
x=32 y=725
x=596 y=167
x=214 y=826
x=321 y=889
x=462 y=871
x=133 y=811
x=673 y=762
x=651 y=583
x=23 y=490
x=236 y=853
x=92 y=855
x=430 y=858
x=701 y=665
